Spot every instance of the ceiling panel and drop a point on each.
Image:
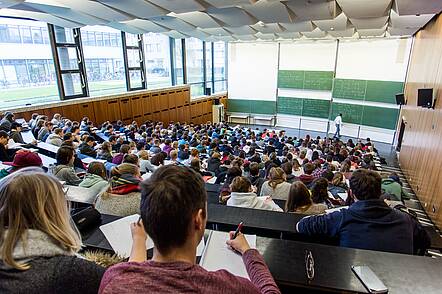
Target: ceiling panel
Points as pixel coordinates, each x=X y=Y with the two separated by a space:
x=313 y=10
x=372 y=32
x=269 y=12
x=198 y=19
x=125 y=27
x=369 y=23
x=197 y=33
x=232 y=16
x=228 y=3
x=175 y=34
x=409 y=21
x=8 y=3
x=316 y=34
x=268 y=28
x=342 y=34
x=401 y=32
x=262 y=36
x=96 y=9
x=138 y=8
x=245 y=37
x=365 y=8
x=147 y=26
x=40 y=17
x=242 y=30
x=173 y=23
x=178 y=6
x=304 y=26
x=225 y=38
x=413 y=7
x=289 y=35
x=216 y=32
x=338 y=24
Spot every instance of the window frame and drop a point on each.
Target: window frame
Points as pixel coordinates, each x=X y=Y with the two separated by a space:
x=141 y=68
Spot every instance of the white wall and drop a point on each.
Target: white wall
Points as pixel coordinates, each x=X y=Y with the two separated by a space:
x=311 y=55
x=373 y=59
x=253 y=71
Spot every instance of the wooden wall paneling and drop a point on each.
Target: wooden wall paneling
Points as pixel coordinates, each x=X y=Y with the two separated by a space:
x=100 y=111
x=126 y=110
x=137 y=105
x=71 y=111
x=186 y=96
x=26 y=115
x=422 y=143
x=172 y=98
x=147 y=107
x=50 y=111
x=155 y=102
x=186 y=113
x=200 y=108
x=173 y=114
x=164 y=117
x=180 y=114
x=179 y=98
x=156 y=116
x=87 y=109
x=113 y=110
x=164 y=100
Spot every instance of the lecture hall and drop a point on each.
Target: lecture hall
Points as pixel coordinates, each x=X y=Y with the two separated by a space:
x=220 y=146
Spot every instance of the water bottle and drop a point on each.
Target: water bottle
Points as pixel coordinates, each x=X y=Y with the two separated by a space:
x=51 y=169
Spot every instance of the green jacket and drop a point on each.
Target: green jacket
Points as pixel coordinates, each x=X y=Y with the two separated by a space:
x=4 y=172
x=393 y=188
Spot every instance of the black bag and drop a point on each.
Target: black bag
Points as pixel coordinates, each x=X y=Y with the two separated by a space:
x=85 y=218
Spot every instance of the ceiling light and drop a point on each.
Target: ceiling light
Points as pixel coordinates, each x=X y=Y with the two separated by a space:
x=332 y=29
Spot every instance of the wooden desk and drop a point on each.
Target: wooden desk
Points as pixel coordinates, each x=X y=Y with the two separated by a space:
x=285 y=259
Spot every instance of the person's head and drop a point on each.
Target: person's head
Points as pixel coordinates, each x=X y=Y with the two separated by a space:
x=97 y=168
x=216 y=155
x=144 y=155
x=57 y=116
x=276 y=176
x=16 y=126
x=65 y=155
x=4 y=138
x=58 y=132
x=31 y=199
x=158 y=159
x=309 y=168
x=173 y=208
x=106 y=147
x=68 y=137
x=131 y=158
x=90 y=141
x=340 y=114
x=125 y=168
x=232 y=173
x=254 y=169
x=173 y=155
x=299 y=196
x=195 y=164
x=287 y=168
x=365 y=184
x=319 y=190
x=338 y=178
x=25 y=158
x=328 y=174
x=241 y=185
x=124 y=149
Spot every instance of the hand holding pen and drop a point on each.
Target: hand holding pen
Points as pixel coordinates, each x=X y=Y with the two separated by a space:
x=237 y=241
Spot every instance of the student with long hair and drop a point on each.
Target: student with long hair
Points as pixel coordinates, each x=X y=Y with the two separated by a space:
x=38 y=241
x=300 y=200
x=276 y=187
x=64 y=169
x=95 y=178
x=320 y=194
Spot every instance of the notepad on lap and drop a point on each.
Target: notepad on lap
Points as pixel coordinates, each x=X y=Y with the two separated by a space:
x=217 y=254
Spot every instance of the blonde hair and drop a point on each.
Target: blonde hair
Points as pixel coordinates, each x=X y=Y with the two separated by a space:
x=31 y=199
x=143 y=154
x=277 y=176
x=125 y=168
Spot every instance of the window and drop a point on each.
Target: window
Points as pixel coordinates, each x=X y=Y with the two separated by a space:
x=134 y=61
x=209 y=68
x=178 y=62
x=157 y=62
x=105 y=73
x=220 y=60
x=195 y=66
x=37 y=36
x=24 y=79
x=25 y=32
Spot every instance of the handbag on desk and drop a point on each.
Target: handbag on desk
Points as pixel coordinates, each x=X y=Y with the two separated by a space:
x=85 y=218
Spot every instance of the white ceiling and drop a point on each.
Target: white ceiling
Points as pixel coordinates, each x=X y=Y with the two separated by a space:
x=240 y=20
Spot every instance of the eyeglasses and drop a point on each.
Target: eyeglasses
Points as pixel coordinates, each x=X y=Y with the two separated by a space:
x=309 y=265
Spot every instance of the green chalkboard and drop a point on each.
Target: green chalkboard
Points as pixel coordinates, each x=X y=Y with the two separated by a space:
x=349 y=89
x=291 y=79
x=351 y=113
x=380 y=117
x=318 y=80
x=383 y=91
x=315 y=108
x=263 y=107
x=289 y=105
x=239 y=105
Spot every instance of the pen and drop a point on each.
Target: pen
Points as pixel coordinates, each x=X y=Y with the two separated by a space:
x=238 y=230
x=139 y=219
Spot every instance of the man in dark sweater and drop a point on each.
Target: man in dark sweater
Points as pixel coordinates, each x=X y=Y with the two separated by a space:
x=369 y=223
x=173 y=209
x=87 y=147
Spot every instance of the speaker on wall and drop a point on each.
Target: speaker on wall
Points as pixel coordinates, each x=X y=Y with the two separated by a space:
x=208 y=92
x=400 y=99
x=425 y=98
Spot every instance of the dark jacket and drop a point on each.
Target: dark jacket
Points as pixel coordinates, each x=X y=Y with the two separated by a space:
x=367 y=224
x=257 y=181
x=17 y=137
x=58 y=274
x=307 y=179
x=87 y=150
x=213 y=165
x=5 y=154
x=291 y=178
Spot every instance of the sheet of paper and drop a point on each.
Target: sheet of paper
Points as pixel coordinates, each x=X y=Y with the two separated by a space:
x=119 y=236
x=343 y=196
x=217 y=254
x=13 y=145
x=212 y=180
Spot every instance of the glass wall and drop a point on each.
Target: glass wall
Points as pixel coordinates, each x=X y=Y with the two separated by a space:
x=27 y=73
x=157 y=60
x=103 y=55
x=220 y=61
x=195 y=66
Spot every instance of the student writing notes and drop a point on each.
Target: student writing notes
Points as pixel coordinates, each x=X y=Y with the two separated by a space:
x=173 y=211
x=38 y=242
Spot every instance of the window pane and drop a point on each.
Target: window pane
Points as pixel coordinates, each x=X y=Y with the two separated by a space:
x=179 y=62
x=194 y=60
x=209 y=64
x=131 y=40
x=68 y=58
x=157 y=61
x=37 y=36
x=105 y=72
x=197 y=90
x=26 y=34
x=133 y=57
x=135 y=79
x=220 y=86
x=24 y=79
x=64 y=35
x=72 y=84
x=220 y=60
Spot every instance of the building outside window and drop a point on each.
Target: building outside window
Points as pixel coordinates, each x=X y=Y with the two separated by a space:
x=220 y=66
x=195 y=66
x=27 y=72
x=179 y=62
x=157 y=60
x=103 y=56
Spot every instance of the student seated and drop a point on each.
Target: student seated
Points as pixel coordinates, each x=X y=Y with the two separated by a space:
x=392 y=188
x=64 y=169
x=195 y=164
x=87 y=147
x=105 y=152
x=242 y=195
x=276 y=187
x=300 y=200
x=145 y=164
x=39 y=243
x=95 y=178
x=307 y=178
x=56 y=138
x=214 y=163
x=22 y=159
x=336 y=183
x=174 y=214
x=287 y=167
x=369 y=223
x=118 y=159
x=321 y=195
x=255 y=178
x=124 y=196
